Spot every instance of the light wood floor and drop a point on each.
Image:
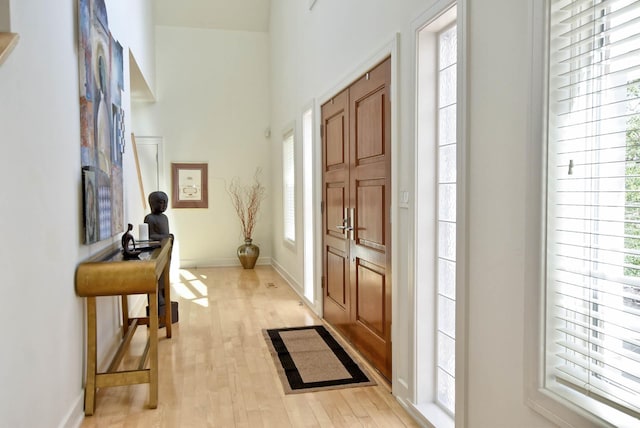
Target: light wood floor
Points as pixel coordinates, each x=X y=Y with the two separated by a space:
x=216 y=371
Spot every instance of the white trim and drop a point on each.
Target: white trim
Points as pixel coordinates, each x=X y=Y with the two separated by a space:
x=154 y=140
x=462 y=237
x=534 y=210
x=317 y=202
x=290 y=131
x=289 y=280
x=313 y=275
x=395 y=229
x=432 y=415
x=431 y=412
x=75 y=416
x=219 y=262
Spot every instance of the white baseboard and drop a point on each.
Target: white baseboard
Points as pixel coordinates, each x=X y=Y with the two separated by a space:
x=223 y=262
x=287 y=277
x=74 y=418
x=427 y=415
x=294 y=286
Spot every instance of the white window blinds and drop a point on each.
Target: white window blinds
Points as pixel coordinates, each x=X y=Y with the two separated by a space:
x=593 y=203
x=288 y=191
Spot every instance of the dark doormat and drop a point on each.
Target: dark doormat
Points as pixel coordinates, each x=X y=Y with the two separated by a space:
x=310 y=359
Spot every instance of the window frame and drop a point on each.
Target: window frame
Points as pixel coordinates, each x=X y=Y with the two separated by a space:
x=308 y=199
x=423 y=400
x=289 y=134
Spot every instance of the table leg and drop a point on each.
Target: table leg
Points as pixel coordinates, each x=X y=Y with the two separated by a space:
x=166 y=285
x=125 y=315
x=92 y=352
x=153 y=350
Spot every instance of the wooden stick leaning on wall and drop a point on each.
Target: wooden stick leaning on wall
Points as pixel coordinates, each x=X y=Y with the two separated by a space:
x=135 y=156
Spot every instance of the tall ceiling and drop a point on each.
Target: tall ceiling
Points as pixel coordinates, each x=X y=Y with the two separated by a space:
x=239 y=15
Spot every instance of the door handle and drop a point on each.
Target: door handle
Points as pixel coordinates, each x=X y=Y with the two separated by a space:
x=347 y=223
x=345 y=227
x=351 y=217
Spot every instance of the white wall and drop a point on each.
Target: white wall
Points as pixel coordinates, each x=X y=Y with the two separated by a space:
x=499 y=107
x=139 y=27
x=42 y=358
x=213 y=101
x=313 y=51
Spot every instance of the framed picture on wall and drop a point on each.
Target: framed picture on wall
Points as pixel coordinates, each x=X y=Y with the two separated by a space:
x=189 y=185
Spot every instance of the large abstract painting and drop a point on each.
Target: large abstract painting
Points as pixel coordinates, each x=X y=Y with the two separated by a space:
x=101 y=122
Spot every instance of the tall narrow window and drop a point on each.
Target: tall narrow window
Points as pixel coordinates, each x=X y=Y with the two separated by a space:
x=436 y=214
x=593 y=207
x=446 y=253
x=288 y=190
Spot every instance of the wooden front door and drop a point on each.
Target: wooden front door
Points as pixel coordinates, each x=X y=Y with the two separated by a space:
x=356 y=139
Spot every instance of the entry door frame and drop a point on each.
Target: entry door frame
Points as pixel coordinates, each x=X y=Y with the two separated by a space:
x=390 y=49
x=154 y=140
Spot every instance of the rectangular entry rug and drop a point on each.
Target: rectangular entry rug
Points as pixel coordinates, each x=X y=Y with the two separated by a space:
x=310 y=359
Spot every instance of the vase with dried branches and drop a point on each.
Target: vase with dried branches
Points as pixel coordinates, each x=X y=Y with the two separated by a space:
x=246 y=200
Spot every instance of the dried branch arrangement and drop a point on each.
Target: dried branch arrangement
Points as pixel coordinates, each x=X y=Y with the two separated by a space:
x=246 y=200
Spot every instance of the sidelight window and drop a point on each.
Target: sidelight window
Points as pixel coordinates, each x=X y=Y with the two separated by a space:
x=288 y=191
x=437 y=213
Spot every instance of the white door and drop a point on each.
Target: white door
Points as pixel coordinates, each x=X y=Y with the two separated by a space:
x=150 y=159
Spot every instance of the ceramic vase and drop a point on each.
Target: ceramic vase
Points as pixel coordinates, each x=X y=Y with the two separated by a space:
x=248 y=254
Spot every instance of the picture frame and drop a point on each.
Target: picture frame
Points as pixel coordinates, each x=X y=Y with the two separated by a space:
x=189 y=185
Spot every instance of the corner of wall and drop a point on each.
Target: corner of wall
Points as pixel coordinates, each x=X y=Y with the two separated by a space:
x=140 y=89
x=74 y=418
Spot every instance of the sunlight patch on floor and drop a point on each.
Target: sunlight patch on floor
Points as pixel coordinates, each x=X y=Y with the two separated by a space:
x=190 y=287
x=203 y=301
x=184 y=291
x=200 y=287
x=187 y=275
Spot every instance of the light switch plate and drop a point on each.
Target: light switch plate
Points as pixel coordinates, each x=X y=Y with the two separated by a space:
x=404 y=199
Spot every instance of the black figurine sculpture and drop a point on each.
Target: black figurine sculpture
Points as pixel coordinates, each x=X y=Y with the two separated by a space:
x=129 y=250
x=158 y=230
x=157 y=220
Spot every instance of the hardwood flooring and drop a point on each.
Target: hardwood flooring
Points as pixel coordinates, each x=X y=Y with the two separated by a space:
x=216 y=370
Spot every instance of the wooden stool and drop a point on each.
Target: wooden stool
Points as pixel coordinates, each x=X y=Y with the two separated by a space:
x=108 y=274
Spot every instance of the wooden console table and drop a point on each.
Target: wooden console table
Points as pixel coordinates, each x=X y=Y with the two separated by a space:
x=108 y=274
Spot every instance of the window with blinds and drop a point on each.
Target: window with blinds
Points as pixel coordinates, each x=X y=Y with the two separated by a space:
x=288 y=190
x=593 y=205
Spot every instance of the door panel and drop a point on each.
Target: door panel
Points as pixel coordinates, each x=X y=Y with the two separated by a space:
x=357 y=194
x=336 y=289
x=370 y=126
x=337 y=298
x=370 y=298
x=335 y=132
x=336 y=205
x=371 y=218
